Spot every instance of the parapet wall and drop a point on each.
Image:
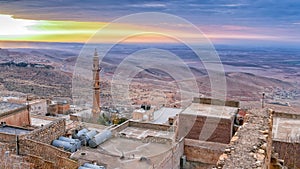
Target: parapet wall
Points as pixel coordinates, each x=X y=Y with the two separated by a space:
x=285 y=115
x=152 y=126
x=49 y=132
x=120 y=127
x=229 y=103
x=144 y=125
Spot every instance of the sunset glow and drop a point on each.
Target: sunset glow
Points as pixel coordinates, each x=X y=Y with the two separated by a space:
x=13 y=29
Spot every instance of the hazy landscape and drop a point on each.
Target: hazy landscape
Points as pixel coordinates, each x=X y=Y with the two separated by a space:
x=46 y=69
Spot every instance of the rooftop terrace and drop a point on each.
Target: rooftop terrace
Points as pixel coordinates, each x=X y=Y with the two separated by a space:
x=6 y=107
x=162 y=115
x=13 y=130
x=286 y=127
x=210 y=110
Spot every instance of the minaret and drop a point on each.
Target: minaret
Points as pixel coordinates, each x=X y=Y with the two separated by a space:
x=96 y=84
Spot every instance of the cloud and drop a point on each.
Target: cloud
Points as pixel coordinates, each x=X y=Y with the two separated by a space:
x=228 y=15
x=244 y=11
x=148 y=5
x=236 y=28
x=233 y=5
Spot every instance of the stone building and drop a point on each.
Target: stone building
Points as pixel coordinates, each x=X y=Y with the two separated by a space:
x=31 y=149
x=14 y=114
x=207 y=127
x=38 y=107
x=286 y=138
x=58 y=107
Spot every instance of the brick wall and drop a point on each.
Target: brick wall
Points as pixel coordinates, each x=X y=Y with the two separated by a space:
x=221 y=134
x=19 y=117
x=63 y=108
x=50 y=132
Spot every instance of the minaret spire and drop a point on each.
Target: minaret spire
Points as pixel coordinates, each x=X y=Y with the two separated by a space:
x=96 y=83
x=95 y=53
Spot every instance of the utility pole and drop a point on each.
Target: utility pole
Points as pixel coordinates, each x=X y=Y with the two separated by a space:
x=263 y=100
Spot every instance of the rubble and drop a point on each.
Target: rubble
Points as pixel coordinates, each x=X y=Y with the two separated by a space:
x=247 y=148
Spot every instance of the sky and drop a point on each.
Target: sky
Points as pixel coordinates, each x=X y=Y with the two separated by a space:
x=222 y=21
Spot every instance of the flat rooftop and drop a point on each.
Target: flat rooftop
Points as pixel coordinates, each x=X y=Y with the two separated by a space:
x=13 y=130
x=7 y=106
x=162 y=115
x=38 y=121
x=140 y=133
x=209 y=110
x=132 y=142
x=286 y=129
x=109 y=153
x=91 y=126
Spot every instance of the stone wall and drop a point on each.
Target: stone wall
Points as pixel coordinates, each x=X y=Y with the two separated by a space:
x=9 y=160
x=221 y=134
x=43 y=150
x=9 y=139
x=269 y=144
x=289 y=152
x=44 y=155
x=49 y=132
x=39 y=163
x=202 y=151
